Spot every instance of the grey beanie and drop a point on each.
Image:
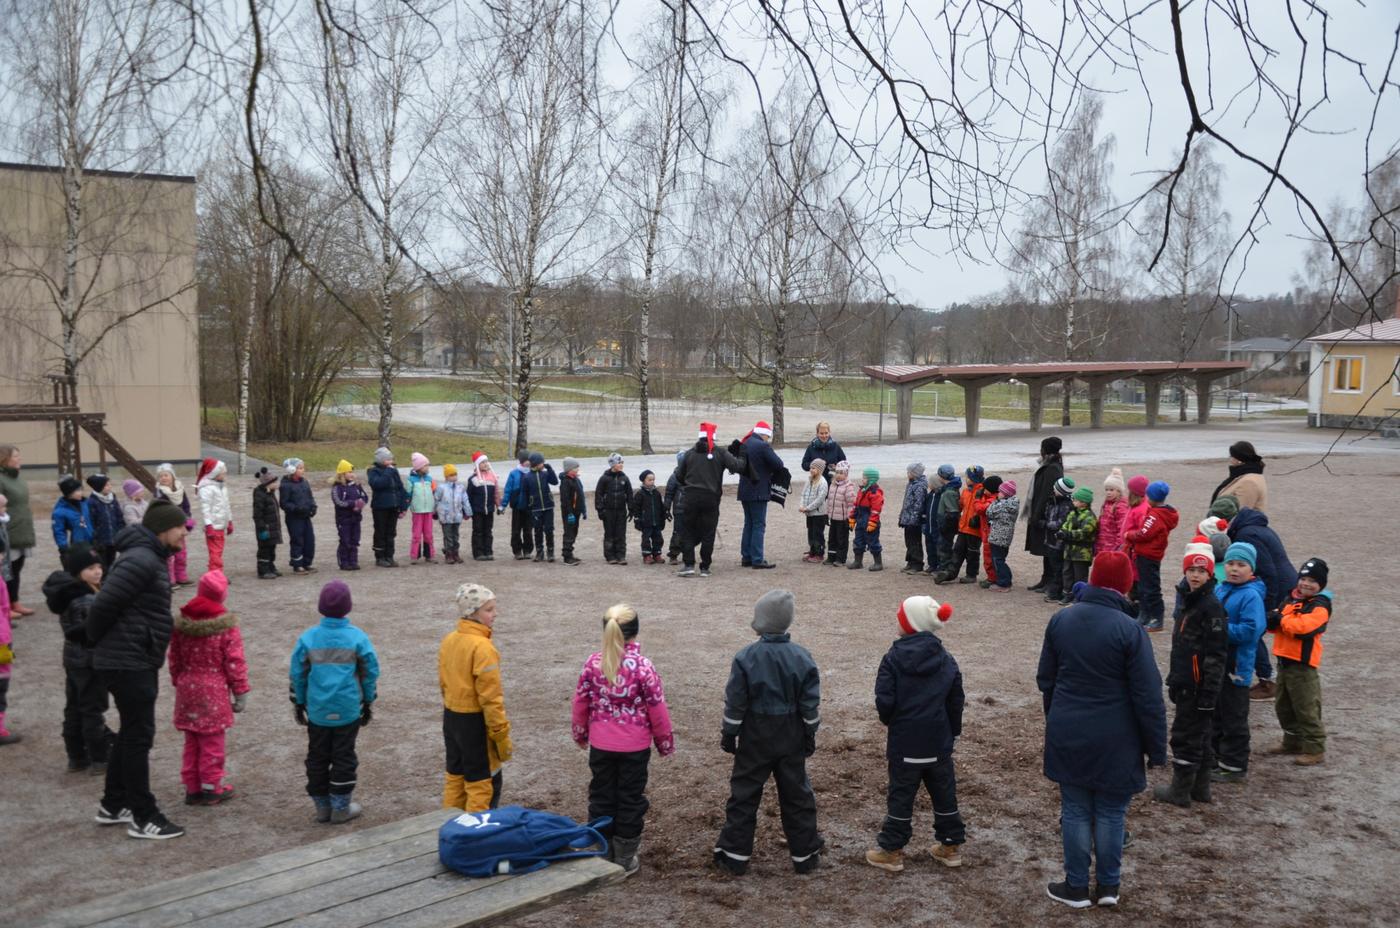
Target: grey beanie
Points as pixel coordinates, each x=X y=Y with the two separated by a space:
x=772 y=614
x=1219 y=542
x=614 y=458
x=382 y=455
x=916 y=469
x=570 y=464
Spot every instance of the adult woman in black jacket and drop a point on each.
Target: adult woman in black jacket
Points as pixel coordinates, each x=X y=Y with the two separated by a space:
x=1051 y=468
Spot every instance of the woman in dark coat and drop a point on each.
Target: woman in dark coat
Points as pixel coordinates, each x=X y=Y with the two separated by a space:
x=1051 y=468
x=1103 y=714
x=825 y=447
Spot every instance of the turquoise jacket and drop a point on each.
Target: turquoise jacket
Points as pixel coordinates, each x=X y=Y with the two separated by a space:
x=334 y=672
x=1244 y=607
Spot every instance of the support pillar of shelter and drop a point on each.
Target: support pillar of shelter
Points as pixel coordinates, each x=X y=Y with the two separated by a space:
x=904 y=409
x=972 y=401
x=1036 y=387
x=1097 y=387
x=1152 y=386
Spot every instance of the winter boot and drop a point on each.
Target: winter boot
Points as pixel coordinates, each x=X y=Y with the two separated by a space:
x=857 y=562
x=6 y=736
x=893 y=861
x=877 y=566
x=626 y=854
x=343 y=809
x=1200 y=786
x=323 y=808
x=1178 y=792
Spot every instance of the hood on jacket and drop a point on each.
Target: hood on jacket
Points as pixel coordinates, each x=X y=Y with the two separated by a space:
x=1246 y=518
x=919 y=655
x=955 y=484
x=1166 y=513
x=197 y=626
x=1102 y=596
x=138 y=536
x=61 y=588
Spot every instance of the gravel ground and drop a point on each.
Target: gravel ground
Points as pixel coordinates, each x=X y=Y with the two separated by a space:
x=1294 y=846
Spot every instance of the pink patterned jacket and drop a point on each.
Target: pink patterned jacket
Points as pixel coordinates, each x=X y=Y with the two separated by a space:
x=627 y=716
x=1112 y=520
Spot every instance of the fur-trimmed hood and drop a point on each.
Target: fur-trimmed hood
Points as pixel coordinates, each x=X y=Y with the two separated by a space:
x=201 y=618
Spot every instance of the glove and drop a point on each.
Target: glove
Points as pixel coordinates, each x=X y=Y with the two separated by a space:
x=809 y=744
x=735 y=447
x=504 y=749
x=871 y=526
x=189 y=525
x=359 y=505
x=366 y=714
x=571 y=520
x=7 y=655
x=240 y=702
x=264 y=535
x=228 y=529
x=299 y=713
x=1274 y=620
x=728 y=743
x=435 y=518
x=851 y=522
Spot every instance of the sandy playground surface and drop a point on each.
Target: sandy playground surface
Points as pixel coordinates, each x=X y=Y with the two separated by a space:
x=1297 y=847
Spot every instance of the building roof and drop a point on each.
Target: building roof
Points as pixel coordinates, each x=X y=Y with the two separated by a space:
x=1053 y=370
x=1384 y=332
x=1289 y=345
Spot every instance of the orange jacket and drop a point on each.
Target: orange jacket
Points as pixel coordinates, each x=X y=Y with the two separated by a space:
x=1298 y=628
x=984 y=526
x=967 y=499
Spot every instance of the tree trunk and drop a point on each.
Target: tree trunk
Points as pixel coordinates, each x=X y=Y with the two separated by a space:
x=779 y=378
x=1182 y=307
x=245 y=377
x=522 y=375
x=386 y=361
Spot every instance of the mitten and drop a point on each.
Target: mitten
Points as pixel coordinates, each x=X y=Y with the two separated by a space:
x=871 y=526
x=435 y=518
x=851 y=522
x=809 y=744
x=1274 y=620
x=299 y=713
x=366 y=714
x=189 y=525
x=240 y=702
x=264 y=535
x=228 y=529
x=735 y=447
x=504 y=749
x=728 y=743
x=7 y=655
x=572 y=520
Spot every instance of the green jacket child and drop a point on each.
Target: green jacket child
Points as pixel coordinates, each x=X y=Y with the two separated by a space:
x=1080 y=527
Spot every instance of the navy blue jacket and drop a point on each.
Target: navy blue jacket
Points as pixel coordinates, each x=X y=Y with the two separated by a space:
x=919 y=695
x=107 y=518
x=756 y=484
x=535 y=486
x=482 y=497
x=829 y=451
x=386 y=488
x=773 y=697
x=1103 y=696
x=294 y=496
x=1272 y=564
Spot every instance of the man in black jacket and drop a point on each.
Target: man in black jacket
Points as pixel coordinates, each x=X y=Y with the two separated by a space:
x=129 y=627
x=1050 y=468
x=919 y=696
x=771 y=712
x=701 y=477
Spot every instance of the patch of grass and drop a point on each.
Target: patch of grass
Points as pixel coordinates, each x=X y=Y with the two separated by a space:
x=354 y=440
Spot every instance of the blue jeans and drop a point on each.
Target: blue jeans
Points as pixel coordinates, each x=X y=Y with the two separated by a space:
x=755 y=525
x=1003 y=570
x=1151 y=608
x=1090 y=817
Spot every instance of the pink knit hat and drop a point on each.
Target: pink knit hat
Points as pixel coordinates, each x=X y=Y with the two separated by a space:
x=1008 y=488
x=419 y=460
x=214 y=585
x=1137 y=485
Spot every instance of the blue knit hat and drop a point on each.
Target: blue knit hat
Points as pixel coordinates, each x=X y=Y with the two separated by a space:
x=975 y=473
x=1157 y=492
x=1242 y=551
x=947 y=471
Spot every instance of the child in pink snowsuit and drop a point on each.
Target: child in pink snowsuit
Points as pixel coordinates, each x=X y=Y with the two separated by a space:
x=1114 y=514
x=619 y=711
x=206 y=665
x=1132 y=522
x=423 y=507
x=7 y=656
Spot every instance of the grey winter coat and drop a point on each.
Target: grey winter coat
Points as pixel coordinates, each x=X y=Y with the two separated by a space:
x=911 y=513
x=1001 y=519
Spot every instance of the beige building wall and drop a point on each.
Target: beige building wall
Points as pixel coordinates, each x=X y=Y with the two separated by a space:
x=136 y=262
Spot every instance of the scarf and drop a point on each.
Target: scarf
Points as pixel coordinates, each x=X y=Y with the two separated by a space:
x=1236 y=472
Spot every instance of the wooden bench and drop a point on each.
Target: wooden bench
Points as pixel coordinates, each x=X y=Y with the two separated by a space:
x=388 y=876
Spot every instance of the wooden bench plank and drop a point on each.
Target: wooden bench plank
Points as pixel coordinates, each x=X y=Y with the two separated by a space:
x=444 y=887
x=512 y=896
x=130 y=902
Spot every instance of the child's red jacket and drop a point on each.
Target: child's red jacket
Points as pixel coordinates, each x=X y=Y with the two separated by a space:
x=1150 y=541
x=873 y=499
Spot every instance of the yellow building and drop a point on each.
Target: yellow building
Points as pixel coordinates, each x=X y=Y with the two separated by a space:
x=135 y=269
x=1354 y=377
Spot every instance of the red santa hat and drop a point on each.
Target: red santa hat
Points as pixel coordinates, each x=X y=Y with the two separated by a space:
x=707 y=432
x=205 y=466
x=922 y=614
x=762 y=428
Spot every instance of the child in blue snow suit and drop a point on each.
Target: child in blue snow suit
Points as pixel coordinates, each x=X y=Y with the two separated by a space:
x=911 y=519
x=539 y=500
x=453 y=508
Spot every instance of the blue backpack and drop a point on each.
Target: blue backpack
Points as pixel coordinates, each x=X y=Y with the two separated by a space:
x=512 y=839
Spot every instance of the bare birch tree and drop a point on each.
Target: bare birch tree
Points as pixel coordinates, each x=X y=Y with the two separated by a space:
x=1067 y=248
x=1187 y=270
x=521 y=166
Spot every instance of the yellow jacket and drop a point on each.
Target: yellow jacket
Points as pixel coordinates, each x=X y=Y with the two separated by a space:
x=469 y=672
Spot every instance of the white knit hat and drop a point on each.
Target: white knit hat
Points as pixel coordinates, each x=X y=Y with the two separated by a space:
x=1114 y=481
x=1212 y=525
x=471 y=597
x=923 y=614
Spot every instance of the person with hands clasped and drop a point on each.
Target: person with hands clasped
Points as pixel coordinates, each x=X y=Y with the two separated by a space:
x=619 y=710
x=573 y=507
x=267 y=524
x=349 y=499
x=453 y=508
x=300 y=506
x=772 y=708
x=388 y=504
x=214 y=508
x=475 y=729
x=334 y=681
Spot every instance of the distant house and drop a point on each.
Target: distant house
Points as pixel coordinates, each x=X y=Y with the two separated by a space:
x=1279 y=355
x=1353 y=380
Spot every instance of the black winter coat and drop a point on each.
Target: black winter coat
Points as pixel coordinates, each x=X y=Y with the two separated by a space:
x=648 y=509
x=1048 y=527
x=1200 y=645
x=1271 y=564
x=1042 y=489
x=919 y=695
x=295 y=498
x=701 y=474
x=1102 y=695
x=70 y=599
x=481 y=497
x=829 y=451
x=773 y=697
x=129 y=622
x=387 y=489
x=573 y=500
x=265 y=518
x=614 y=492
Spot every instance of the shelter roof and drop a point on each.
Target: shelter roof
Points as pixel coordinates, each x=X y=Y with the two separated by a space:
x=908 y=373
